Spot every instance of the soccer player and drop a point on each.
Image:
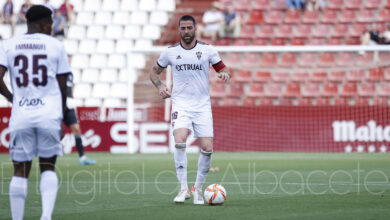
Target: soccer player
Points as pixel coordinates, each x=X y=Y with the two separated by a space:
x=190 y=60
x=38 y=67
x=70 y=120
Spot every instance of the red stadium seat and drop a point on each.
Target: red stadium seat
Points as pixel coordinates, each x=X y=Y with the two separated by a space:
x=353 y=41
x=346 y=59
x=362 y=101
x=288 y=60
x=303 y=30
x=233 y=59
x=308 y=59
x=251 y=60
x=260 y=42
x=380 y=27
x=278 y=41
x=365 y=15
x=316 y=41
x=298 y=41
x=223 y=42
x=293 y=90
x=311 y=17
x=231 y=102
x=269 y=60
x=338 y=76
x=285 y=31
x=376 y=74
x=286 y=102
x=319 y=77
x=249 y=101
x=349 y=89
x=329 y=16
x=266 y=102
x=281 y=77
x=262 y=4
x=215 y=101
x=323 y=102
x=340 y=30
x=292 y=17
x=330 y=90
x=274 y=17
x=322 y=30
x=341 y=101
x=279 y=4
x=384 y=58
x=236 y=90
x=381 y=101
x=347 y=16
x=354 y=4
x=256 y=90
x=358 y=29
x=243 y=76
x=243 y=5
x=311 y=90
x=274 y=90
x=367 y=89
x=248 y=31
x=335 y=41
x=387 y=74
x=327 y=59
x=255 y=17
x=385 y=89
x=266 y=31
x=374 y=4
x=263 y=77
x=300 y=76
x=305 y=102
x=241 y=42
x=366 y=59
x=384 y=15
x=336 y=4
x=218 y=90
x=356 y=75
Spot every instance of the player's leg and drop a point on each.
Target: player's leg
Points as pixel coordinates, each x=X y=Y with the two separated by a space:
x=22 y=151
x=180 y=124
x=203 y=128
x=76 y=131
x=48 y=149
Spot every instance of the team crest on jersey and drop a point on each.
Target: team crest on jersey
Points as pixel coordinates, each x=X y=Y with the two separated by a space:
x=199 y=54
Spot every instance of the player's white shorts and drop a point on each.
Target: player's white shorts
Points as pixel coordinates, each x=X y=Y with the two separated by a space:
x=201 y=122
x=26 y=144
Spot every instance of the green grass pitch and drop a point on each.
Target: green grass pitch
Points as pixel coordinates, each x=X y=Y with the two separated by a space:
x=259 y=186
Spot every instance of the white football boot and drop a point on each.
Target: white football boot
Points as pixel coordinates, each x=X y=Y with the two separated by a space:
x=182 y=196
x=198 y=197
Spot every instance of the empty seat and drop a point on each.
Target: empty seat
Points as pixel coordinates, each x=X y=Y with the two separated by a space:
x=358 y=29
x=341 y=102
x=166 y=5
x=105 y=46
x=248 y=31
x=329 y=16
x=87 y=46
x=76 y=32
x=147 y=5
x=362 y=101
x=113 y=102
x=98 y=61
x=79 y=61
x=260 y=42
x=92 y=5
x=345 y=59
x=84 y=18
x=92 y=102
x=335 y=41
x=322 y=30
x=347 y=16
x=262 y=4
x=300 y=76
x=281 y=77
x=286 y=102
x=298 y=41
x=243 y=76
x=234 y=59
x=365 y=15
x=114 y=32
x=132 y=5
x=119 y=90
x=151 y=32
x=71 y=46
x=376 y=74
x=354 y=4
x=218 y=90
x=349 y=89
x=381 y=101
x=231 y=102
x=356 y=75
x=385 y=89
x=249 y=101
x=293 y=90
x=374 y=4
x=137 y=61
x=330 y=89
x=278 y=41
x=123 y=46
x=103 y=18
x=353 y=41
x=82 y=90
x=367 y=89
x=292 y=17
x=159 y=18
x=239 y=42
x=305 y=102
x=236 y=90
x=310 y=17
x=274 y=17
x=288 y=60
x=121 y=18
x=101 y=90
x=366 y=59
x=274 y=90
x=255 y=17
x=256 y=90
x=266 y=102
x=263 y=77
x=311 y=90
x=139 y=18
x=384 y=15
x=338 y=76
x=327 y=59
x=95 y=32
x=336 y=4
x=303 y=30
x=269 y=60
x=316 y=41
x=90 y=75
x=132 y=32
x=266 y=31
x=308 y=59
x=285 y=31
x=319 y=77
x=340 y=30
x=323 y=102
x=111 y=5
x=117 y=61
x=108 y=75
x=243 y=5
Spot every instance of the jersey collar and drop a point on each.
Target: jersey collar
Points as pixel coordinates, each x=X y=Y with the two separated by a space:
x=196 y=43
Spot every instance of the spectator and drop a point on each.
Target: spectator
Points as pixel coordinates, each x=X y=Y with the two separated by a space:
x=59 y=23
x=296 y=4
x=315 y=5
x=375 y=37
x=231 y=25
x=7 y=15
x=23 y=10
x=212 y=20
x=67 y=10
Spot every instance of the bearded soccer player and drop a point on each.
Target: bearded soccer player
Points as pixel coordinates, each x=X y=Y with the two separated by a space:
x=190 y=60
x=38 y=67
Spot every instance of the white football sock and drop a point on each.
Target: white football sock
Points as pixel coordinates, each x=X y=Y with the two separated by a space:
x=49 y=187
x=17 y=196
x=203 y=168
x=180 y=157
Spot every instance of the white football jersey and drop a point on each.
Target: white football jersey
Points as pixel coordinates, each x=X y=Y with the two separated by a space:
x=190 y=71
x=33 y=61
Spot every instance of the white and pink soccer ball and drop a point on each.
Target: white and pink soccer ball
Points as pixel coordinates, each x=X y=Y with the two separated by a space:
x=215 y=194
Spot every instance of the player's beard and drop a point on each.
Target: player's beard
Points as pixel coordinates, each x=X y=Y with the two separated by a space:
x=188 y=38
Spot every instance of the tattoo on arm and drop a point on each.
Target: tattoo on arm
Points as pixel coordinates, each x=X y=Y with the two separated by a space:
x=154 y=76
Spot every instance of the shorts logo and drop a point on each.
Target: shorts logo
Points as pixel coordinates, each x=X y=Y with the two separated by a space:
x=174 y=115
x=199 y=55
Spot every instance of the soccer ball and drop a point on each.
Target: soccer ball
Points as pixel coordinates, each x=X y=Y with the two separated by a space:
x=215 y=194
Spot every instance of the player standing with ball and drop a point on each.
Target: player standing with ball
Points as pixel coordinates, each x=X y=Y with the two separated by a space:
x=190 y=60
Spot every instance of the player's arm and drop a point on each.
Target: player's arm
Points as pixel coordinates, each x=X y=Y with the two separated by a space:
x=222 y=71
x=61 y=78
x=164 y=91
x=3 y=88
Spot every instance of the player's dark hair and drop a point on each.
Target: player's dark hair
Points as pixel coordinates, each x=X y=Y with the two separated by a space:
x=36 y=13
x=187 y=18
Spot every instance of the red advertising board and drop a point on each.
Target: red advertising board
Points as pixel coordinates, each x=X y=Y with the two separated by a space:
x=262 y=128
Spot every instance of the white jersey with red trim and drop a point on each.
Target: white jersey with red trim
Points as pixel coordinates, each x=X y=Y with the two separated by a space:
x=33 y=61
x=190 y=71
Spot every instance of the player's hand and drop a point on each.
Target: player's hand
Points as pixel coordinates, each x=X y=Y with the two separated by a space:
x=164 y=91
x=224 y=76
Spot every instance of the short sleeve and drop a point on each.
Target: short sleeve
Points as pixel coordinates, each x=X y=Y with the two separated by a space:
x=3 y=57
x=63 y=63
x=163 y=60
x=214 y=57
